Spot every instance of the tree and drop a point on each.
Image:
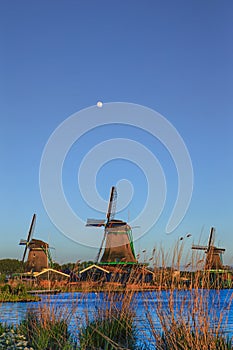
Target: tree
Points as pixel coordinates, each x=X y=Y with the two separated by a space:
x=10 y=266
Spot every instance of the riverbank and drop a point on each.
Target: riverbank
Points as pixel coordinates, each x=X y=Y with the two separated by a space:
x=201 y=316
x=16 y=293
x=9 y=298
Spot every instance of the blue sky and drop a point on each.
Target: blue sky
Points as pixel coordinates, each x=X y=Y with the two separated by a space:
x=59 y=57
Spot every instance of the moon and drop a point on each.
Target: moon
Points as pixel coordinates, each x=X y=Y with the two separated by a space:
x=99 y=104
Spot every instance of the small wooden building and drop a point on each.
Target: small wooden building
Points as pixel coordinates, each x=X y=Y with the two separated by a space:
x=94 y=273
x=119 y=274
x=51 y=275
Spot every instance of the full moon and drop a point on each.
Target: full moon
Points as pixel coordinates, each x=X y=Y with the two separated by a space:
x=99 y=104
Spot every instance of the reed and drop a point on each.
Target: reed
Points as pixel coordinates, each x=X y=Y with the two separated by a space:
x=182 y=311
x=111 y=326
x=47 y=328
x=186 y=313
x=2 y=328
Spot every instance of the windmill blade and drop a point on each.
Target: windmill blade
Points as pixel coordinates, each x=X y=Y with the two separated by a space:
x=30 y=233
x=221 y=254
x=23 y=242
x=112 y=204
x=116 y=223
x=48 y=254
x=219 y=250
x=31 y=229
x=95 y=222
x=199 y=247
x=210 y=243
x=50 y=259
x=24 y=254
x=101 y=246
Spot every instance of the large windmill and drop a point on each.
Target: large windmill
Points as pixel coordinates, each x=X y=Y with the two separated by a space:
x=38 y=256
x=117 y=237
x=213 y=254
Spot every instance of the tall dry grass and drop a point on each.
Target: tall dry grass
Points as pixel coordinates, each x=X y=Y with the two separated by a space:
x=189 y=311
x=111 y=325
x=182 y=311
x=46 y=328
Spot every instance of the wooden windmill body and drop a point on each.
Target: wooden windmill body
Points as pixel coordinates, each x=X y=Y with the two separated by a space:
x=117 y=246
x=38 y=256
x=213 y=259
x=117 y=237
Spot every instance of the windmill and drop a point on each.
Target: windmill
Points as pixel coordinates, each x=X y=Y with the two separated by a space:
x=117 y=237
x=213 y=254
x=38 y=256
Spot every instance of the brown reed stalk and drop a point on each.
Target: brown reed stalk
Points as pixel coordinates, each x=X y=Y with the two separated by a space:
x=187 y=321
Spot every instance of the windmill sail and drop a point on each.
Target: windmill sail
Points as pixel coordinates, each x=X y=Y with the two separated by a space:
x=30 y=233
x=95 y=222
x=112 y=204
x=213 y=254
x=37 y=257
x=101 y=247
x=117 y=236
x=211 y=238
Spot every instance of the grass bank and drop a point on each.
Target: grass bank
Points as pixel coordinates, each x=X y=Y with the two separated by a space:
x=18 y=293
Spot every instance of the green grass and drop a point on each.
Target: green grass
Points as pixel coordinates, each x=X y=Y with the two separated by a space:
x=2 y=328
x=47 y=330
x=17 y=293
x=109 y=330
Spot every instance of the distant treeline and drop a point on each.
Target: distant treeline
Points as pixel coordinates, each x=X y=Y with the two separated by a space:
x=8 y=267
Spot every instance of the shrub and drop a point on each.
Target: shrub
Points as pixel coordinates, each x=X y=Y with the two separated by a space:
x=47 y=330
x=6 y=289
x=108 y=331
x=20 y=290
x=112 y=325
x=11 y=339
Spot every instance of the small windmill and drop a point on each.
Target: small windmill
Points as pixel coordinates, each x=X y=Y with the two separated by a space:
x=213 y=254
x=117 y=236
x=38 y=256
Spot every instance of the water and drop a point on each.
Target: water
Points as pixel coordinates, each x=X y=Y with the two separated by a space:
x=77 y=305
